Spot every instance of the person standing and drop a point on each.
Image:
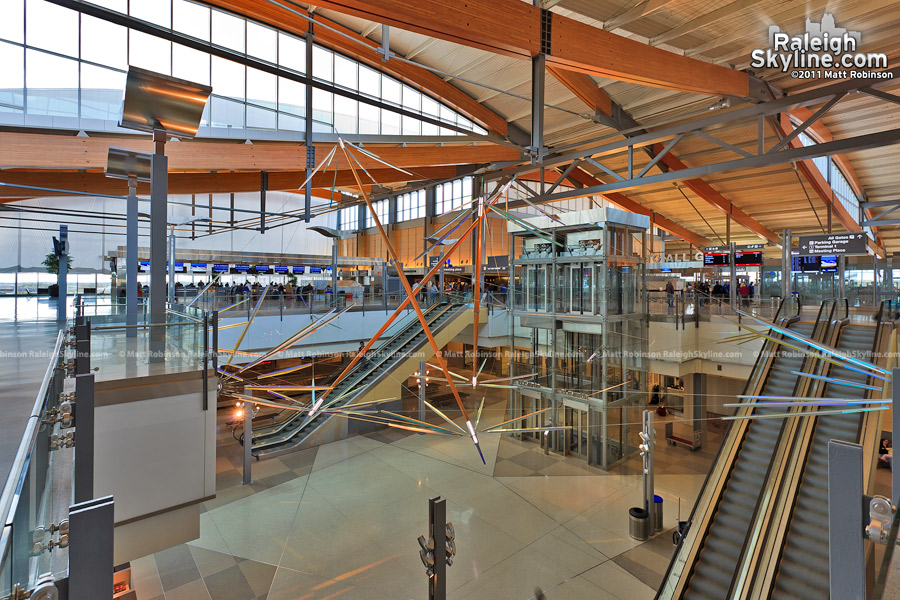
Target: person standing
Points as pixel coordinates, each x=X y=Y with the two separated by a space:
x=670 y=294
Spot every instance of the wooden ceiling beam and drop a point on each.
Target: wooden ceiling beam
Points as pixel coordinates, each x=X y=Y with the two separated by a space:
x=48 y=151
x=584 y=88
x=581 y=85
x=201 y=183
x=513 y=28
x=784 y=125
x=364 y=50
x=713 y=197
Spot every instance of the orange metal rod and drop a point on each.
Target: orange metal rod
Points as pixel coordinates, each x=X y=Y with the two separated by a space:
x=409 y=292
x=428 y=276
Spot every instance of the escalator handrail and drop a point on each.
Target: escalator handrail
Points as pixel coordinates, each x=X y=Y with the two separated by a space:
x=362 y=374
x=277 y=428
x=735 y=433
x=767 y=576
x=742 y=578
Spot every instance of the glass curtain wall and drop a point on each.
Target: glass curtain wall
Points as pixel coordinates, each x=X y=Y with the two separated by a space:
x=60 y=66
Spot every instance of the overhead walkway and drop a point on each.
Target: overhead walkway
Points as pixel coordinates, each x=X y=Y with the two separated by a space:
x=292 y=431
x=704 y=565
x=760 y=526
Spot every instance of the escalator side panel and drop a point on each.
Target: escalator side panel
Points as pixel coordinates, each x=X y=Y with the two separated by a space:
x=721 y=549
x=803 y=568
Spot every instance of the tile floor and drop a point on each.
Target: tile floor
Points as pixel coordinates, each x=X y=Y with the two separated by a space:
x=341 y=520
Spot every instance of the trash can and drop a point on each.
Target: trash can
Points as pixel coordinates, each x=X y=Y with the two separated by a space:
x=657 y=514
x=638 y=523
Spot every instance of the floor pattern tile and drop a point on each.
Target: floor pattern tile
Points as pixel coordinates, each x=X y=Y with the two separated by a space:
x=340 y=522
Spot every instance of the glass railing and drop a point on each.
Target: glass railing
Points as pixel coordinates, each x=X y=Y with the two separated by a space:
x=37 y=493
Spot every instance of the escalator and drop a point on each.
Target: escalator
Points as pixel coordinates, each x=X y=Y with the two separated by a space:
x=266 y=423
x=802 y=571
x=705 y=563
x=292 y=432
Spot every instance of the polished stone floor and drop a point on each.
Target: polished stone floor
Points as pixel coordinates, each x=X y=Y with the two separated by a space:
x=341 y=521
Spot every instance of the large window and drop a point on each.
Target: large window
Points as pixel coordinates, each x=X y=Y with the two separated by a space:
x=382 y=209
x=57 y=63
x=348 y=218
x=452 y=195
x=411 y=206
x=842 y=189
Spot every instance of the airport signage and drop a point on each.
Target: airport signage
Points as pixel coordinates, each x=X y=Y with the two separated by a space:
x=280 y=269
x=497 y=264
x=299 y=270
x=835 y=244
x=448 y=268
x=220 y=268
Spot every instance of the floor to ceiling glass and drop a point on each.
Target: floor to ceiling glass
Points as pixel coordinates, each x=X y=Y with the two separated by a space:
x=65 y=69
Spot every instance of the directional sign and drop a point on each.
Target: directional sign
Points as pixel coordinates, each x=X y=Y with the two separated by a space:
x=829 y=245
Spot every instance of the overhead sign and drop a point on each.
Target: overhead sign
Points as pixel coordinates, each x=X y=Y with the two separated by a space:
x=497 y=264
x=448 y=268
x=835 y=244
x=717 y=249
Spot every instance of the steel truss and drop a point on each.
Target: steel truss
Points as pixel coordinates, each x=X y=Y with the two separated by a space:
x=705 y=128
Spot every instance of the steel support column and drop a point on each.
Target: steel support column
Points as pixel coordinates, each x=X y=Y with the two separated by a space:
x=786 y=264
x=171 y=266
x=159 y=193
x=538 y=76
x=84 y=432
x=732 y=280
x=248 y=442
x=91 y=549
x=422 y=383
x=62 y=273
x=842 y=266
x=308 y=127
x=846 y=550
x=131 y=258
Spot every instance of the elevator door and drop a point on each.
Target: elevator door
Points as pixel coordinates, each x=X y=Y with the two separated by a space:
x=578 y=434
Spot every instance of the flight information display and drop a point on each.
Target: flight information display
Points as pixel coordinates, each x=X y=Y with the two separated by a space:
x=747 y=259
x=220 y=268
x=299 y=270
x=280 y=269
x=315 y=269
x=197 y=267
x=814 y=264
x=716 y=259
x=262 y=268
